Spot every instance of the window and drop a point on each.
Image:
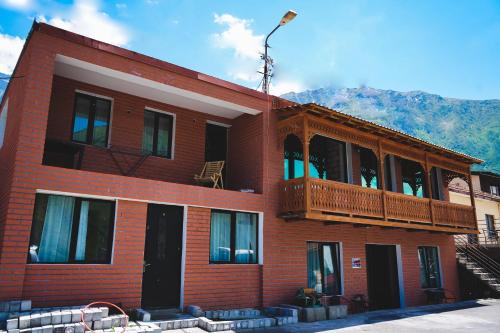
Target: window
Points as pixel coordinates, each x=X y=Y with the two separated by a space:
x=327 y=159
x=429 y=267
x=71 y=230
x=323 y=267
x=233 y=237
x=3 y=122
x=157 y=135
x=490 y=226
x=368 y=167
x=91 y=120
x=494 y=190
x=293 y=158
x=413 y=178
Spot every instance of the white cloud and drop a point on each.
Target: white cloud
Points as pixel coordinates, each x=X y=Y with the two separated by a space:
x=245 y=44
x=121 y=5
x=10 y=48
x=86 y=18
x=247 y=48
x=19 y=4
x=282 y=87
x=239 y=37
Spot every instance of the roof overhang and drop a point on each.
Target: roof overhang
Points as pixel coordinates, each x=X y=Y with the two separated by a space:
x=136 y=85
x=370 y=127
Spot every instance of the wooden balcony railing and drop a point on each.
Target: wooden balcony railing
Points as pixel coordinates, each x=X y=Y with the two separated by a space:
x=312 y=198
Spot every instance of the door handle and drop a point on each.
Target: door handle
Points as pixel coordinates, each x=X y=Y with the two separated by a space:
x=144 y=266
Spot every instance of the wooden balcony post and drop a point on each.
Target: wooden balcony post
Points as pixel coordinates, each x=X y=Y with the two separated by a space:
x=307 y=185
x=472 y=198
x=429 y=187
x=381 y=172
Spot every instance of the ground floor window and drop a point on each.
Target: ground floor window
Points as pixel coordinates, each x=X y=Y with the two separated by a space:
x=323 y=267
x=429 y=267
x=233 y=237
x=71 y=230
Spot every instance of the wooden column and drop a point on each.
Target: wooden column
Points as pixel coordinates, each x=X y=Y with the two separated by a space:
x=381 y=172
x=472 y=198
x=428 y=187
x=307 y=185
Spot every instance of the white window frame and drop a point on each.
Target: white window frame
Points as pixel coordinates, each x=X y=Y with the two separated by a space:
x=83 y=196
x=111 y=99
x=494 y=190
x=174 y=125
x=3 y=122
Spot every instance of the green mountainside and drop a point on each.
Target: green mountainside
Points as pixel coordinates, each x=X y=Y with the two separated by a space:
x=468 y=126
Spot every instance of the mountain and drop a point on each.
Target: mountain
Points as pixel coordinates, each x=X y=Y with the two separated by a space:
x=468 y=126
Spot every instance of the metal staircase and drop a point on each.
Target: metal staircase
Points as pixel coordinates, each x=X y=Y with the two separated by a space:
x=472 y=256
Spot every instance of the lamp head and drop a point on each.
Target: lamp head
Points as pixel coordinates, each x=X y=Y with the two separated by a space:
x=290 y=15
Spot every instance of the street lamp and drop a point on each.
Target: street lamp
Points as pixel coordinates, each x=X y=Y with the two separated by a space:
x=290 y=15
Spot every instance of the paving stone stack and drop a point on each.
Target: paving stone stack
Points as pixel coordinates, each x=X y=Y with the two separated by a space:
x=19 y=317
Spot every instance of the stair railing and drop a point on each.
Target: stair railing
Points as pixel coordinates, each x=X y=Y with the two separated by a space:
x=476 y=253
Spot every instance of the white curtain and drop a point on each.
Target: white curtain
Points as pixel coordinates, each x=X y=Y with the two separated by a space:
x=220 y=237
x=246 y=238
x=56 y=234
x=82 y=231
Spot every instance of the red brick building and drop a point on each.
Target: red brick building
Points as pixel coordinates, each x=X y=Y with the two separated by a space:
x=98 y=202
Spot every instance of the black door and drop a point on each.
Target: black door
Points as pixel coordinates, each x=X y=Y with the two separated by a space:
x=216 y=146
x=383 y=282
x=161 y=280
x=215 y=143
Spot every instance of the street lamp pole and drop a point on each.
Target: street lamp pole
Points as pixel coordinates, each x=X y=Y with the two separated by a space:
x=290 y=15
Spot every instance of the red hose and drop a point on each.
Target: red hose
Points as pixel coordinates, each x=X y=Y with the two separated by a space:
x=106 y=303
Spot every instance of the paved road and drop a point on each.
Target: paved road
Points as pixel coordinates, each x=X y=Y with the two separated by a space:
x=470 y=317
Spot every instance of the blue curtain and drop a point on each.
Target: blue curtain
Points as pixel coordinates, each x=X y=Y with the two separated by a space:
x=82 y=231
x=56 y=234
x=246 y=238
x=220 y=237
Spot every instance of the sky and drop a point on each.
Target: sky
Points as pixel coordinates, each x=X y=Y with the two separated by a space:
x=450 y=48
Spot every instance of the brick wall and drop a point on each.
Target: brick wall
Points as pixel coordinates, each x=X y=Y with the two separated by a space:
x=30 y=106
x=285 y=255
x=211 y=286
x=126 y=132
x=119 y=282
x=286 y=267
x=245 y=153
x=215 y=286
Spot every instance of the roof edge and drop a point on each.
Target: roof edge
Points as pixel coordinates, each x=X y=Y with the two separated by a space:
x=458 y=155
x=145 y=59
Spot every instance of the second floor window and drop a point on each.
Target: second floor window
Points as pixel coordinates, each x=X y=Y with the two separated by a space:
x=157 y=135
x=91 y=120
x=494 y=190
x=490 y=226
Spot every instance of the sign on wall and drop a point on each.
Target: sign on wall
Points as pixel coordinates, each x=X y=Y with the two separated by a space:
x=356 y=262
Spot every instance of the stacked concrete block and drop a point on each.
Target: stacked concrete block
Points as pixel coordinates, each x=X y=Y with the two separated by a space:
x=19 y=317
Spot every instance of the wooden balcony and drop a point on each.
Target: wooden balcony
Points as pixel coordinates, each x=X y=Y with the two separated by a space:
x=325 y=200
